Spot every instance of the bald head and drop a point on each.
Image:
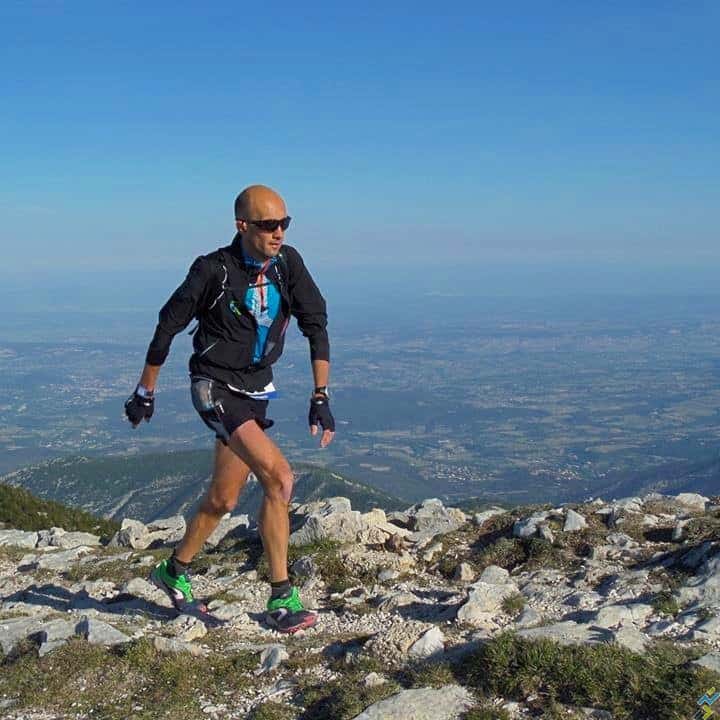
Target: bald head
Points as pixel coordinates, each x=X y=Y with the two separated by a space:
x=259 y=202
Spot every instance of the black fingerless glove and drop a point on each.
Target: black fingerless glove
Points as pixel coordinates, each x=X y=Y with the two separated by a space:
x=139 y=407
x=320 y=413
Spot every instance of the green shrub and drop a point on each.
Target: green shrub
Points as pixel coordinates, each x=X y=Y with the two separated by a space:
x=23 y=511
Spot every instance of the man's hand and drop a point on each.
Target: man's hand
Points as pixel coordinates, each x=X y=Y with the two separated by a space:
x=320 y=415
x=139 y=407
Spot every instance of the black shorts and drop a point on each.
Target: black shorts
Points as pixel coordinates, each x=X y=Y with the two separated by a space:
x=223 y=410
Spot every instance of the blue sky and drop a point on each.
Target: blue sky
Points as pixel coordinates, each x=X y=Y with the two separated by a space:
x=564 y=132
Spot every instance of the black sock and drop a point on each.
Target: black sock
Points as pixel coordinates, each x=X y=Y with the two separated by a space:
x=280 y=589
x=177 y=568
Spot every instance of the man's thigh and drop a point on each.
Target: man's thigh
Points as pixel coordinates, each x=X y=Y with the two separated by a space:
x=250 y=443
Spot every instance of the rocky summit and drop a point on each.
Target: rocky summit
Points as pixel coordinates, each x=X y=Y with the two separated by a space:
x=601 y=609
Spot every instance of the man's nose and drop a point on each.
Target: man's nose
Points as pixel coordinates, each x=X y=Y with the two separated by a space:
x=279 y=233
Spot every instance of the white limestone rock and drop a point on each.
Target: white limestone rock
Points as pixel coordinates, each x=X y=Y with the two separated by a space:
x=430 y=643
x=98 y=632
x=692 y=501
x=574 y=521
x=330 y=521
x=482 y=517
x=170 y=646
x=18 y=538
x=445 y=703
x=228 y=525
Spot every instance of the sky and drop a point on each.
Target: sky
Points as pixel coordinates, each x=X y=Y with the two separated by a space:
x=401 y=134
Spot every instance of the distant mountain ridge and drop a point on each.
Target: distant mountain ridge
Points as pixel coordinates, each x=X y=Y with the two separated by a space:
x=156 y=485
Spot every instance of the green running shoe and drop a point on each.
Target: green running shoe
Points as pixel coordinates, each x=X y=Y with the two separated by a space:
x=288 y=615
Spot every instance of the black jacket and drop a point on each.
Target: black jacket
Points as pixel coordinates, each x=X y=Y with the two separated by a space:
x=224 y=340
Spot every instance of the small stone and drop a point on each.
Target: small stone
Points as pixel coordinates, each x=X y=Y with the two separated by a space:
x=187 y=628
x=304 y=567
x=430 y=553
x=482 y=517
x=234 y=612
x=373 y=680
x=387 y=574
x=430 y=643
x=545 y=533
x=679 y=530
x=270 y=658
x=464 y=572
x=173 y=645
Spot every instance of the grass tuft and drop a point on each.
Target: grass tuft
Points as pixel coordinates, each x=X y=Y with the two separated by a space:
x=661 y=685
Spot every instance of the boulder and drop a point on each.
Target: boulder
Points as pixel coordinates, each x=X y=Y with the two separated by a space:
x=229 y=525
x=692 y=501
x=486 y=597
x=711 y=661
x=622 y=614
x=431 y=518
x=53 y=634
x=97 y=632
x=574 y=521
x=62 y=560
x=132 y=533
x=330 y=520
x=568 y=632
x=495 y=575
x=18 y=538
x=57 y=537
x=449 y=702
x=13 y=630
x=527 y=527
x=170 y=530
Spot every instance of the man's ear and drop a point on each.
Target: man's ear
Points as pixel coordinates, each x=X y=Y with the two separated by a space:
x=241 y=225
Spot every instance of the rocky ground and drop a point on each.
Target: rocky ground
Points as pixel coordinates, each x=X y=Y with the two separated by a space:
x=601 y=609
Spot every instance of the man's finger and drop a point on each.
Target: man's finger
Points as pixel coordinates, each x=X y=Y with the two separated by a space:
x=327 y=437
x=313 y=429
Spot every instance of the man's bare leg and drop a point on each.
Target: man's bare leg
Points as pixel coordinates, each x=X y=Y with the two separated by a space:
x=230 y=474
x=273 y=471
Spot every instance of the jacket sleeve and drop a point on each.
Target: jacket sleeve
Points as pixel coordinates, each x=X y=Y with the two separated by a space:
x=308 y=306
x=179 y=310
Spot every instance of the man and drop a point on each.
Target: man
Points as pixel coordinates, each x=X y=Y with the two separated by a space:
x=242 y=296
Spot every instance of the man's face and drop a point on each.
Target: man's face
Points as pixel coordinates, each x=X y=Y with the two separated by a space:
x=259 y=243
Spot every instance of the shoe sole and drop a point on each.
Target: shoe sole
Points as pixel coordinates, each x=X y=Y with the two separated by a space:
x=308 y=622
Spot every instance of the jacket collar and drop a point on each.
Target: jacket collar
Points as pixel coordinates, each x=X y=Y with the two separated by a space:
x=236 y=250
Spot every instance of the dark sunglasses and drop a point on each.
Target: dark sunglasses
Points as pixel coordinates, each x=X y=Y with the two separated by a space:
x=272 y=225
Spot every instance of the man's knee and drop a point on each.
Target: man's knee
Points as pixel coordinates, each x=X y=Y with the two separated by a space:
x=278 y=483
x=219 y=504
